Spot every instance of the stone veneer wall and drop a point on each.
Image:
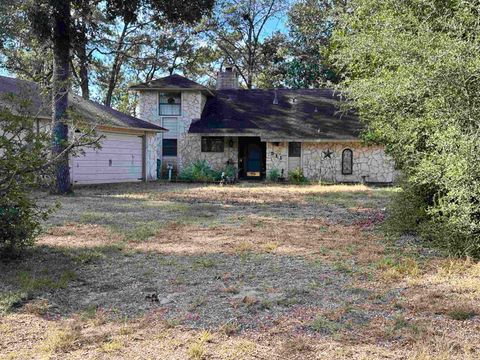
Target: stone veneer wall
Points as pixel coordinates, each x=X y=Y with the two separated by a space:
x=277 y=157
x=192 y=151
x=192 y=106
x=151 y=156
x=369 y=162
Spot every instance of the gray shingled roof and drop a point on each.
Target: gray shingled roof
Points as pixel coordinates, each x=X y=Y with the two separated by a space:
x=26 y=97
x=308 y=114
x=172 y=82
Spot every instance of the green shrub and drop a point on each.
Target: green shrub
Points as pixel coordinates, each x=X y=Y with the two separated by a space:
x=19 y=224
x=200 y=170
x=296 y=177
x=424 y=110
x=230 y=171
x=273 y=175
x=405 y=212
x=25 y=164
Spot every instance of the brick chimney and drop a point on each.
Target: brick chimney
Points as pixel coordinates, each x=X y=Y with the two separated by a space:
x=227 y=79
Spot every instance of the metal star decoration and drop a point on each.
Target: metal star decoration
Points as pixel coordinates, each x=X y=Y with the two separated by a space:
x=327 y=154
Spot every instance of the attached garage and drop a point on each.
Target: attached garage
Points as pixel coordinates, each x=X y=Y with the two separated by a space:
x=128 y=151
x=120 y=159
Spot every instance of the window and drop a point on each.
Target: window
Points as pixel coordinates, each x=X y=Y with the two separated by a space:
x=169 y=147
x=347 y=162
x=294 y=149
x=213 y=144
x=171 y=124
x=170 y=104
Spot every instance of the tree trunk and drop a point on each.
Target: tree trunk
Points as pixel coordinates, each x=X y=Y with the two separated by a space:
x=117 y=64
x=112 y=82
x=83 y=62
x=61 y=73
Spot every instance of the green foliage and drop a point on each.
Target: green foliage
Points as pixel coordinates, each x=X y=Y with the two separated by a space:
x=296 y=177
x=273 y=175
x=23 y=155
x=230 y=171
x=462 y=313
x=324 y=325
x=19 y=224
x=411 y=71
x=311 y=23
x=200 y=171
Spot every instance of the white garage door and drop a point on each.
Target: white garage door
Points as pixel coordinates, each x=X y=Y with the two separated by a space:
x=119 y=160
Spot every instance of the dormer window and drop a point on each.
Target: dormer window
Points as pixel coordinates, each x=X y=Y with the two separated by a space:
x=170 y=104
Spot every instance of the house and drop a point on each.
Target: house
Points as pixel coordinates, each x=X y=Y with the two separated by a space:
x=259 y=130
x=128 y=146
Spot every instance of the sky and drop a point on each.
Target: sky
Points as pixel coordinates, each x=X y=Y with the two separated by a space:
x=273 y=25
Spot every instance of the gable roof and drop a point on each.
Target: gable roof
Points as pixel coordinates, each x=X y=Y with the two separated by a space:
x=309 y=114
x=172 y=82
x=23 y=96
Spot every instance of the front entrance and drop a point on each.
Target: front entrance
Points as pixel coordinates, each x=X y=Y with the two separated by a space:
x=251 y=158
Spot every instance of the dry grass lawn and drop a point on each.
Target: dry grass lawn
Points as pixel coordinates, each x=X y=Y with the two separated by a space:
x=252 y=271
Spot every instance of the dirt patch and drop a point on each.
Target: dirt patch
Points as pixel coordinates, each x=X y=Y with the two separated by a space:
x=251 y=271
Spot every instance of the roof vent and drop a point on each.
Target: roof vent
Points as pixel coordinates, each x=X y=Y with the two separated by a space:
x=275 y=99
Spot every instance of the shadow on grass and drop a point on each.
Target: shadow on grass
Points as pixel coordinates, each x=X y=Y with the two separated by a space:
x=200 y=291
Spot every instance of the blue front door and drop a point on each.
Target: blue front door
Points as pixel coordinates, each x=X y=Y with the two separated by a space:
x=254 y=158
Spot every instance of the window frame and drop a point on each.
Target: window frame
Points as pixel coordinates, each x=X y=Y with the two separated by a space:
x=170 y=147
x=344 y=152
x=208 y=148
x=166 y=95
x=292 y=148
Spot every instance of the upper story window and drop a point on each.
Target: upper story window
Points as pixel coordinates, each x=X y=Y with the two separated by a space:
x=347 y=162
x=170 y=104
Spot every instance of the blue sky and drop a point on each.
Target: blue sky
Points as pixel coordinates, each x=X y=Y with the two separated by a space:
x=273 y=25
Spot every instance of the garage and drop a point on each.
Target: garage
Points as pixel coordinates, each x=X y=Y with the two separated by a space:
x=128 y=150
x=120 y=159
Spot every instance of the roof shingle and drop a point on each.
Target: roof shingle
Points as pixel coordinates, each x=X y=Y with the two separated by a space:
x=26 y=97
x=172 y=82
x=309 y=114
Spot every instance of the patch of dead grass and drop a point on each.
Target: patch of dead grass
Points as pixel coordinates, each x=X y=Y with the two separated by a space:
x=431 y=314
x=74 y=235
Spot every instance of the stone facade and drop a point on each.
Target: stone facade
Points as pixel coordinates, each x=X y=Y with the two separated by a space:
x=370 y=163
x=227 y=79
x=151 y=145
x=192 y=106
x=277 y=157
x=192 y=151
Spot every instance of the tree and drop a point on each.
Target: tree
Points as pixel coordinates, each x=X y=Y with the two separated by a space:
x=88 y=23
x=51 y=20
x=411 y=69
x=20 y=51
x=311 y=24
x=238 y=30
x=274 y=58
x=26 y=162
